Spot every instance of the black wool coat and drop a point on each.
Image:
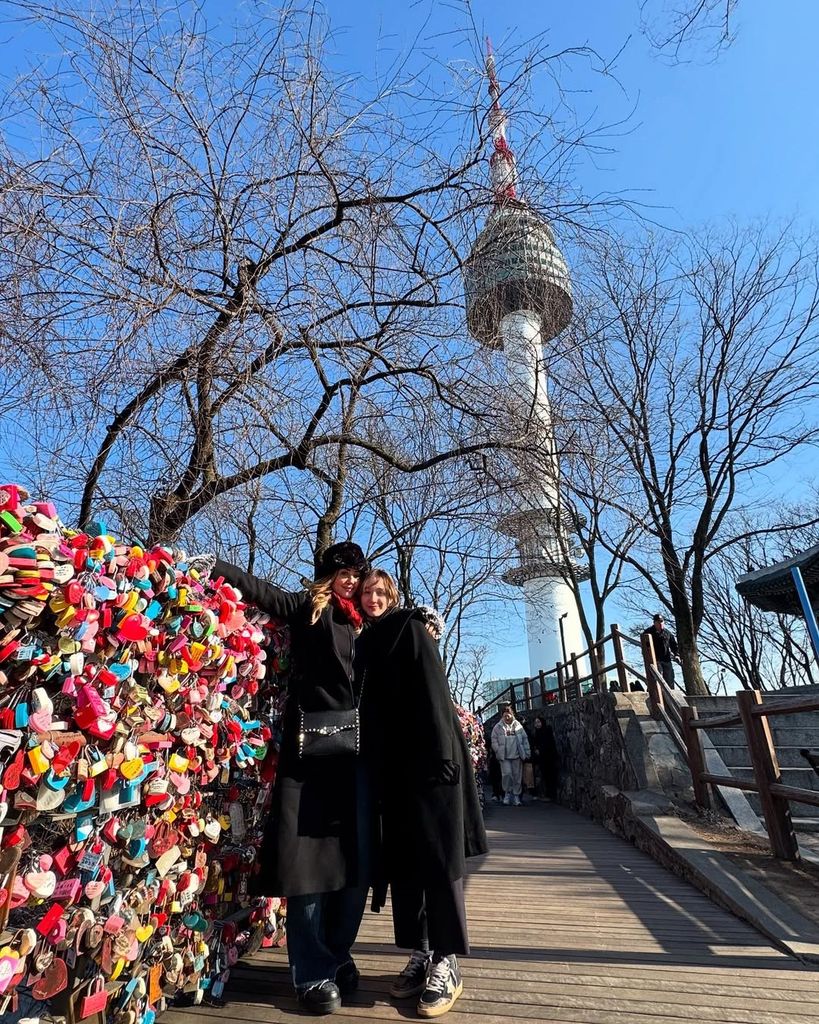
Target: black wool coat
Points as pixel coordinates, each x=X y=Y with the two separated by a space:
x=429 y=826
x=311 y=836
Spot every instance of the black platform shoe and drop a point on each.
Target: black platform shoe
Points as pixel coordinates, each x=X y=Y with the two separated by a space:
x=321 y=999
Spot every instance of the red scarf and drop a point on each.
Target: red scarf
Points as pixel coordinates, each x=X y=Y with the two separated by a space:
x=350 y=609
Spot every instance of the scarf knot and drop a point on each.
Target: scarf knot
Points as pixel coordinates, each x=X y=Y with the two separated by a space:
x=349 y=609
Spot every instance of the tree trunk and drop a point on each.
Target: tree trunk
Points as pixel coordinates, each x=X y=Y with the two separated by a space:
x=695 y=684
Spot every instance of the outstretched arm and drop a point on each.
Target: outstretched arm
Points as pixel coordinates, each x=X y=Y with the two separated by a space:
x=270 y=599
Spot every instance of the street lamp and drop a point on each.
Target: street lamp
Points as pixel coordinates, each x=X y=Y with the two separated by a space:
x=563 y=637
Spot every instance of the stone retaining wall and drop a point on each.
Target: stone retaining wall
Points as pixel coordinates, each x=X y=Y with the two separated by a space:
x=609 y=740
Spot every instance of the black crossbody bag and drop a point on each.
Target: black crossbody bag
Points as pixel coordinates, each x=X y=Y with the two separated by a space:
x=331 y=733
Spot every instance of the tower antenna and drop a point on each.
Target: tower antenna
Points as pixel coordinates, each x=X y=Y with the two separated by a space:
x=503 y=171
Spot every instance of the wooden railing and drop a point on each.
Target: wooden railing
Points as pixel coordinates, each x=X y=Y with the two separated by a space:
x=752 y=714
x=565 y=682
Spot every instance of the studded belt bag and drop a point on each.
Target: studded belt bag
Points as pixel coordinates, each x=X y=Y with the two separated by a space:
x=329 y=733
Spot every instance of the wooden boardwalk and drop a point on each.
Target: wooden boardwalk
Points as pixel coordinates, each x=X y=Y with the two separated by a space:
x=568 y=924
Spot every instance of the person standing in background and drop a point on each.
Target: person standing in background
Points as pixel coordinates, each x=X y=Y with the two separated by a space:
x=665 y=648
x=511 y=746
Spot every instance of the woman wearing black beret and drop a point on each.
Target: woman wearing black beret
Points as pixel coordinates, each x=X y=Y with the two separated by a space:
x=318 y=844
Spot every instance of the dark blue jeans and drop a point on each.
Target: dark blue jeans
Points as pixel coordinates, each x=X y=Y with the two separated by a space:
x=322 y=927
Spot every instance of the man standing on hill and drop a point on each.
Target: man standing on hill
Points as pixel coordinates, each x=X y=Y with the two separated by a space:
x=665 y=648
x=511 y=746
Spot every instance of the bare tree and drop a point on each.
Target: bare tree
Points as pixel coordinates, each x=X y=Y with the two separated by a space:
x=703 y=365
x=674 y=27
x=758 y=650
x=241 y=270
x=469 y=677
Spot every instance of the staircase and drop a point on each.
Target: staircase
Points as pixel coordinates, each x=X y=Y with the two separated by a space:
x=791 y=733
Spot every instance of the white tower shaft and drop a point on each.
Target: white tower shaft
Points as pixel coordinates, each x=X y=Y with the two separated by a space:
x=548 y=597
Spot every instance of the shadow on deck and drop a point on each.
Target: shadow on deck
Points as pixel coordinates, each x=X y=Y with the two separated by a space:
x=568 y=923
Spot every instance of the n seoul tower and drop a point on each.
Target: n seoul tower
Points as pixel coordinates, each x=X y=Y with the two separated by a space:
x=518 y=296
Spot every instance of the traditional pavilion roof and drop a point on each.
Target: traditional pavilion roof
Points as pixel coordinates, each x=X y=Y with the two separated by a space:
x=772 y=589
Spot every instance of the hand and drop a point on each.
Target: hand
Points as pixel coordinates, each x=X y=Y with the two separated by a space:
x=204 y=563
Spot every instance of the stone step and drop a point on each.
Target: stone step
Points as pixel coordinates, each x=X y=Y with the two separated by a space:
x=784 y=735
x=713 y=705
x=805 y=778
x=737 y=755
x=802 y=812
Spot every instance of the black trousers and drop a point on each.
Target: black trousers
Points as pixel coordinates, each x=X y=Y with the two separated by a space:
x=430 y=917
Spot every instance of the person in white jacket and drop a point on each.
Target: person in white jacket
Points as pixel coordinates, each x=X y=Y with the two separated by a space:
x=511 y=746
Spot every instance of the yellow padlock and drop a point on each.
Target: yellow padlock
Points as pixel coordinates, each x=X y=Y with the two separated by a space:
x=176 y=907
x=65 y=617
x=169 y=683
x=118 y=969
x=178 y=763
x=132 y=768
x=38 y=760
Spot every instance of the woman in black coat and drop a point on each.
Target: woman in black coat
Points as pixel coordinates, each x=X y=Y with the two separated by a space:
x=318 y=839
x=430 y=813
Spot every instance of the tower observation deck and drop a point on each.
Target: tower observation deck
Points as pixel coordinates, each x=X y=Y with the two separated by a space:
x=518 y=296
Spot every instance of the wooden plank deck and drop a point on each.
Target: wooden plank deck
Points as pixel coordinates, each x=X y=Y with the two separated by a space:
x=568 y=924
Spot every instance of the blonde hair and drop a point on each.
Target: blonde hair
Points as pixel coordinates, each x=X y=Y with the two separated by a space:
x=389 y=585
x=320 y=593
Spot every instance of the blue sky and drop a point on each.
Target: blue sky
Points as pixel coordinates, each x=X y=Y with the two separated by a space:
x=706 y=140
x=735 y=137
x=732 y=137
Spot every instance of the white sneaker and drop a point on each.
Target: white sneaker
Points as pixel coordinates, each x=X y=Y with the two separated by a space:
x=444 y=985
x=517 y=801
x=507 y=800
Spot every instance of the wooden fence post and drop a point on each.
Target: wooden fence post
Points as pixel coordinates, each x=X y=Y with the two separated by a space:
x=578 y=693
x=620 y=658
x=696 y=756
x=512 y=696
x=775 y=809
x=562 y=695
x=542 y=684
x=655 y=693
x=597 y=676
x=527 y=694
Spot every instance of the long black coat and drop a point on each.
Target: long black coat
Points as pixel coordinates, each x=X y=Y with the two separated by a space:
x=311 y=838
x=429 y=827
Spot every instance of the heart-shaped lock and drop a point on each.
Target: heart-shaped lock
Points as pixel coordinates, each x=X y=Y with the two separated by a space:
x=10 y=964
x=41 y=883
x=53 y=981
x=40 y=721
x=48 y=798
x=132 y=768
x=94 y=888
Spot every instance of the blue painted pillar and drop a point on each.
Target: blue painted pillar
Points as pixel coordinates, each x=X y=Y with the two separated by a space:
x=807 y=610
